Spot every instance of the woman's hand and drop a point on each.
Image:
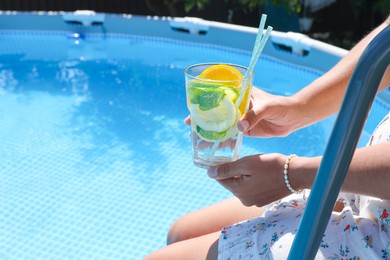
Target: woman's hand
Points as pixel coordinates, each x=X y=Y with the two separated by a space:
x=255 y=180
x=271 y=115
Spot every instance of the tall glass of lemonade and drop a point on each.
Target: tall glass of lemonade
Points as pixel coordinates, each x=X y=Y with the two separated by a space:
x=217 y=97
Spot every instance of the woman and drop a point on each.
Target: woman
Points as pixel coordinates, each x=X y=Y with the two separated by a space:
x=359 y=227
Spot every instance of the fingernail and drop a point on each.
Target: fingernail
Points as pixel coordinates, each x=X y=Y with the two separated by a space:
x=243 y=125
x=212 y=172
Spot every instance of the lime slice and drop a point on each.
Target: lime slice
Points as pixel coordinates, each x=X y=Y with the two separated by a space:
x=218 y=119
x=212 y=136
x=217 y=124
x=231 y=92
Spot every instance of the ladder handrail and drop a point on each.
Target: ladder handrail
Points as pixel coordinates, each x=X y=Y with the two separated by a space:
x=342 y=143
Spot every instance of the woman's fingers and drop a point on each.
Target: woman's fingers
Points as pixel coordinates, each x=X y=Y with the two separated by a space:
x=187 y=120
x=249 y=120
x=228 y=170
x=255 y=112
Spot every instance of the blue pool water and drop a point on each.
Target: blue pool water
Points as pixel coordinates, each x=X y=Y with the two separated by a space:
x=95 y=158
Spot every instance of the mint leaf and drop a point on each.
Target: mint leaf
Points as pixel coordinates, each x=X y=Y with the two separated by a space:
x=194 y=94
x=207 y=95
x=210 y=98
x=210 y=135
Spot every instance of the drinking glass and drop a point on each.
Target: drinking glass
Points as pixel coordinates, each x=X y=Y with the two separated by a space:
x=215 y=106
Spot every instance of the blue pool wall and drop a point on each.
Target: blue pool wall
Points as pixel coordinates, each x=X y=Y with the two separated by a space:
x=229 y=35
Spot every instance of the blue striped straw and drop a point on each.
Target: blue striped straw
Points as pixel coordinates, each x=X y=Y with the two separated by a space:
x=257 y=50
x=259 y=34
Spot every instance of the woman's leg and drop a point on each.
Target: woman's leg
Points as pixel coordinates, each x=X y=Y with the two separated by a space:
x=211 y=219
x=199 y=224
x=203 y=247
x=195 y=235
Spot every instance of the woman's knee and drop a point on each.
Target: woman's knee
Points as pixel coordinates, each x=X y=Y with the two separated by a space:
x=180 y=230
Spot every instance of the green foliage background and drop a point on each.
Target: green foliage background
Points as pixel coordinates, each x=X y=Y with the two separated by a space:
x=343 y=25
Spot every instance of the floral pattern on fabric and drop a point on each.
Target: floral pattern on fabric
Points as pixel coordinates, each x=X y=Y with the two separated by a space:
x=360 y=231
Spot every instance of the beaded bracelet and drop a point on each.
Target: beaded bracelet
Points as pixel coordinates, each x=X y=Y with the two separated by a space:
x=285 y=174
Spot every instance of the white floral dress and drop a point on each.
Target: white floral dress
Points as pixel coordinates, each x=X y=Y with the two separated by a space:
x=360 y=231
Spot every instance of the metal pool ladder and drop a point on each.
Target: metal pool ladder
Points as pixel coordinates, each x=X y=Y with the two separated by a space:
x=343 y=140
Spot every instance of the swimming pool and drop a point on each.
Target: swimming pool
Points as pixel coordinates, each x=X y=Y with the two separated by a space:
x=95 y=159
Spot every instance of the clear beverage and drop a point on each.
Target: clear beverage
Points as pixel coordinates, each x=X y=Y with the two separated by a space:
x=217 y=97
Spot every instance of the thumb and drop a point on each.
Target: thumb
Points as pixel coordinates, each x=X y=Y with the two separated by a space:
x=221 y=172
x=250 y=119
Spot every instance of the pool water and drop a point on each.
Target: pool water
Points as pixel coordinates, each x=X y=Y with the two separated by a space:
x=95 y=158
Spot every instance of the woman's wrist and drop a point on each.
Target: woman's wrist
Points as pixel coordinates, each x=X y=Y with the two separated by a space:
x=302 y=171
x=298 y=108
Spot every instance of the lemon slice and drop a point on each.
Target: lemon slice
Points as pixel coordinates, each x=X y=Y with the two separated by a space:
x=218 y=119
